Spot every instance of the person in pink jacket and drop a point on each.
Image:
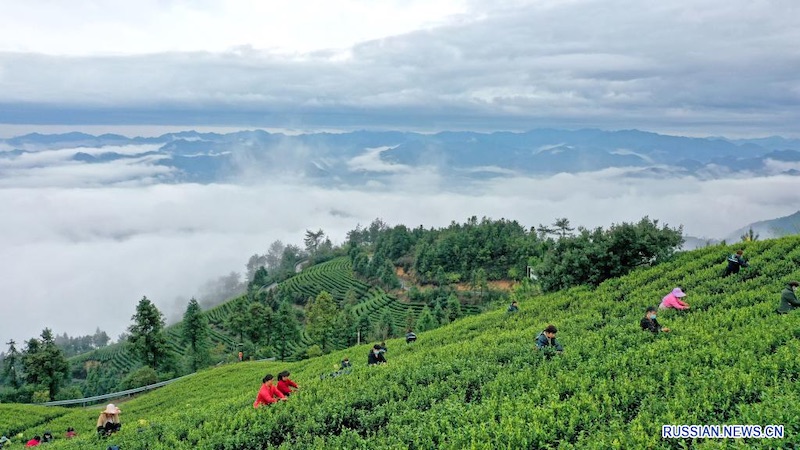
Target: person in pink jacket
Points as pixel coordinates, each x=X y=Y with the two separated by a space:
x=673 y=300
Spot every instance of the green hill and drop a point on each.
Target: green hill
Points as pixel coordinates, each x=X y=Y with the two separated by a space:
x=477 y=384
x=335 y=276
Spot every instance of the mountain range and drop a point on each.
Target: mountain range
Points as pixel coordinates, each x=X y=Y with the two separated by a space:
x=764 y=229
x=359 y=156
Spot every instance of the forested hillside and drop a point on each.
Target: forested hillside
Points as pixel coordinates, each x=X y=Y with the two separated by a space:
x=391 y=279
x=477 y=383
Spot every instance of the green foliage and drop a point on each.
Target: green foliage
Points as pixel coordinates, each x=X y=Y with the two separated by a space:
x=479 y=281
x=237 y=321
x=592 y=257
x=260 y=278
x=258 y=323
x=147 y=338
x=494 y=246
x=477 y=383
x=439 y=314
x=286 y=330
x=45 y=365
x=141 y=377
x=76 y=345
x=15 y=418
x=385 y=327
x=69 y=392
x=195 y=335
x=453 y=308
x=750 y=236
x=411 y=319
x=314 y=351
x=11 y=365
x=426 y=321
x=321 y=319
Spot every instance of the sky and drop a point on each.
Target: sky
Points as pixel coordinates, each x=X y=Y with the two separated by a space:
x=691 y=67
x=80 y=245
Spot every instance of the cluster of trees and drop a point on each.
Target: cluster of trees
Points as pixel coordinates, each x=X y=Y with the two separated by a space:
x=473 y=252
x=477 y=252
x=72 y=346
x=593 y=256
x=265 y=326
x=378 y=269
x=268 y=322
x=279 y=261
x=37 y=373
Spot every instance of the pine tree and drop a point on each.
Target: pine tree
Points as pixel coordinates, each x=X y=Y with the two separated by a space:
x=195 y=334
x=258 y=326
x=426 y=321
x=11 y=365
x=45 y=364
x=345 y=328
x=285 y=329
x=453 y=307
x=385 y=327
x=411 y=319
x=439 y=314
x=100 y=338
x=363 y=327
x=320 y=317
x=147 y=339
x=479 y=280
x=350 y=298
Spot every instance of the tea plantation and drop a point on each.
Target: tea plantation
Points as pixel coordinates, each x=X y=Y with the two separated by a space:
x=478 y=384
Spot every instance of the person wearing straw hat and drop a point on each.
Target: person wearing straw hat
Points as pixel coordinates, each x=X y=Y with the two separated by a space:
x=673 y=300
x=108 y=421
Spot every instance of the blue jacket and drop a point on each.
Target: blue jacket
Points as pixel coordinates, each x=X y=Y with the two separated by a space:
x=542 y=341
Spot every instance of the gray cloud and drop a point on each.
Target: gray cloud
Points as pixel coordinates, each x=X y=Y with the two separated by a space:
x=710 y=65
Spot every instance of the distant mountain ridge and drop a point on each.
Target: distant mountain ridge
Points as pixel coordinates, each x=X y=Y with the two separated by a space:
x=773 y=228
x=765 y=229
x=351 y=157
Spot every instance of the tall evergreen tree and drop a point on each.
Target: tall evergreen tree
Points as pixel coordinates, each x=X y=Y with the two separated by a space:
x=385 y=328
x=195 y=334
x=479 y=281
x=453 y=307
x=11 y=365
x=285 y=329
x=258 y=327
x=363 y=327
x=313 y=240
x=320 y=317
x=237 y=321
x=345 y=328
x=350 y=298
x=100 y=338
x=562 y=227
x=411 y=319
x=439 y=313
x=426 y=321
x=45 y=364
x=147 y=339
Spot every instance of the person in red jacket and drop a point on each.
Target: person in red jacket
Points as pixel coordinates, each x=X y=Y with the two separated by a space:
x=268 y=393
x=34 y=442
x=285 y=385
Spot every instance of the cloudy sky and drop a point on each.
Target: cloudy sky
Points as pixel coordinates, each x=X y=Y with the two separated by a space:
x=80 y=244
x=700 y=67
